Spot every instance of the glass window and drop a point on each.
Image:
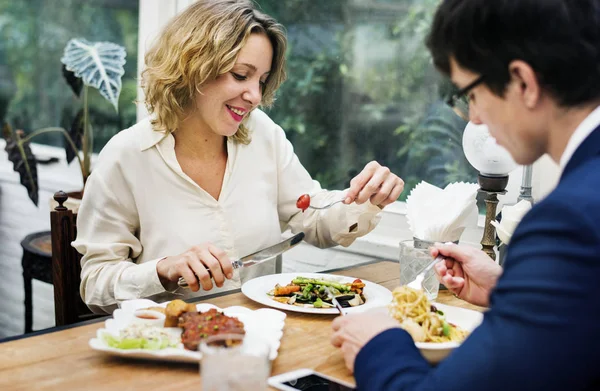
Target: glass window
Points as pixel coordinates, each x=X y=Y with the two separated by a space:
x=362 y=87
x=33 y=93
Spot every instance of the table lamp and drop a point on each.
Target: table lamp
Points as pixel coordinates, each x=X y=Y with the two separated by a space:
x=493 y=163
x=525 y=193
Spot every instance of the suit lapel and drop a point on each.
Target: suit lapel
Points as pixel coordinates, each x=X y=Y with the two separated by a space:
x=589 y=148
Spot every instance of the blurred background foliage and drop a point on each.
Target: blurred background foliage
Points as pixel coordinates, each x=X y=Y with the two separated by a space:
x=361 y=85
x=33 y=34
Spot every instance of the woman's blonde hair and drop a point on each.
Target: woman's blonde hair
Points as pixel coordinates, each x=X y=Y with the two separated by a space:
x=197 y=46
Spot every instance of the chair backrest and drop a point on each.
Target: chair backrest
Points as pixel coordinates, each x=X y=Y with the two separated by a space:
x=66 y=266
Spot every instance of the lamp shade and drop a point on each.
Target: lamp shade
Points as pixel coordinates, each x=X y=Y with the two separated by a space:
x=484 y=154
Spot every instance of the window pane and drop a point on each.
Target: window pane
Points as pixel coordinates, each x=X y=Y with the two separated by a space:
x=362 y=87
x=33 y=34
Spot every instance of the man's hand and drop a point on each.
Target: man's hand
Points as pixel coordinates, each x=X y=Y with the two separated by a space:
x=352 y=332
x=467 y=272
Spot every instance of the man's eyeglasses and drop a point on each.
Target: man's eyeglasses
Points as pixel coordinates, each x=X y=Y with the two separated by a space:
x=462 y=109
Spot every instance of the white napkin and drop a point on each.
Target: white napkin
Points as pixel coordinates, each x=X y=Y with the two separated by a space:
x=441 y=215
x=511 y=216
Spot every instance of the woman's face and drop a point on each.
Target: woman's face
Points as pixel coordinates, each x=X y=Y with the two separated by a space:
x=224 y=102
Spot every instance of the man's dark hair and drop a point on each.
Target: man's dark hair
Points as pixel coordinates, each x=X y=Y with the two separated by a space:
x=559 y=39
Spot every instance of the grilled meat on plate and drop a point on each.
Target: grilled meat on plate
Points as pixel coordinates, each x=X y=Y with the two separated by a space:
x=201 y=325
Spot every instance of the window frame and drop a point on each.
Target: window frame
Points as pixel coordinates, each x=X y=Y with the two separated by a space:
x=153 y=15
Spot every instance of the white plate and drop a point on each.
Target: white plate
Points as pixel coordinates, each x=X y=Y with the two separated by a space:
x=262 y=324
x=257 y=289
x=462 y=317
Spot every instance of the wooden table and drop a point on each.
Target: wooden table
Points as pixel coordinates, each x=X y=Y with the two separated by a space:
x=62 y=360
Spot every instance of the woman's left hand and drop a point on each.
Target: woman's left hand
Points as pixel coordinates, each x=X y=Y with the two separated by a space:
x=375 y=183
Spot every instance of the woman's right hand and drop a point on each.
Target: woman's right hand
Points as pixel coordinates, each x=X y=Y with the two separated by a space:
x=192 y=265
x=467 y=272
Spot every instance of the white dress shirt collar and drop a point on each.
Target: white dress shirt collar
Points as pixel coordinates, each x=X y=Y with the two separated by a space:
x=585 y=128
x=150 y=137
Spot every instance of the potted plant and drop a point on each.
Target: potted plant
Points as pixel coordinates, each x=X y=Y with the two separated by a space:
x=85 y=64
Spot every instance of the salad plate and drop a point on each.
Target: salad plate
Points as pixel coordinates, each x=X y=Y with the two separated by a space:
x=260 y=325
x=260 y=290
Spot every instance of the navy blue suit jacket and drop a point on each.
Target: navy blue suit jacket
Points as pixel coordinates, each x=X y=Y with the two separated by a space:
x=542 y=331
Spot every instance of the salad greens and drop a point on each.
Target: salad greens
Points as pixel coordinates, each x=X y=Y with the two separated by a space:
x=141 y=337
x=318 y=293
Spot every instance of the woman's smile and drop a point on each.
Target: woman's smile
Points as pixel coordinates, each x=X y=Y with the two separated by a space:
x=236 y=112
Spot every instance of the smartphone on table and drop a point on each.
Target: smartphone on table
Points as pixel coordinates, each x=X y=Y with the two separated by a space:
x=308 y=380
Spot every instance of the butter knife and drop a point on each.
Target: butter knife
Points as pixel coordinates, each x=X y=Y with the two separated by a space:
x=259 y=256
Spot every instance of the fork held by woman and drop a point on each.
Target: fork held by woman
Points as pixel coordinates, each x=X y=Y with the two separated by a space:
x=303 y=203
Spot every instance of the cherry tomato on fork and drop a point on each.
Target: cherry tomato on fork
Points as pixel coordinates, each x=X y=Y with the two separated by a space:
x=303 y=202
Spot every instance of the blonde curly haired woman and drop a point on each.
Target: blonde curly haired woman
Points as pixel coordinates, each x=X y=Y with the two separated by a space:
x=208 y=177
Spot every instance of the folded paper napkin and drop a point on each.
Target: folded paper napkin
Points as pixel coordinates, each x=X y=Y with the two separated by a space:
x=441 y=215
x=511 y=216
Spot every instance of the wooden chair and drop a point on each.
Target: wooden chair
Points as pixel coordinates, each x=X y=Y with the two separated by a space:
x=66 y=266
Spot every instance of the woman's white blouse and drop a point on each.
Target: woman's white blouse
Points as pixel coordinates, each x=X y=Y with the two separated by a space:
x=139 y=206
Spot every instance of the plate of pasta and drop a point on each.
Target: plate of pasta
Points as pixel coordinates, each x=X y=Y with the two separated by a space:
x=436 y=328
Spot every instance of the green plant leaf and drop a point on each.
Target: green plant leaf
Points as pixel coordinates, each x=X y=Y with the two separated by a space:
x=23 y=161
x=98 y=64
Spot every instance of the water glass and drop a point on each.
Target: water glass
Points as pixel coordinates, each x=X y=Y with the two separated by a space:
x=412 y=262
x=234 y=362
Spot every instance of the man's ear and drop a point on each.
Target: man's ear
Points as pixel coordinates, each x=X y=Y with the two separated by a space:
x=526 y=82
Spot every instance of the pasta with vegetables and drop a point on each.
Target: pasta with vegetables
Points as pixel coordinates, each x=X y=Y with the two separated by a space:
x=422 y=320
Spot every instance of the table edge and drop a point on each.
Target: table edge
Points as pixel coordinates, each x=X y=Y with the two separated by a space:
x=194 y=300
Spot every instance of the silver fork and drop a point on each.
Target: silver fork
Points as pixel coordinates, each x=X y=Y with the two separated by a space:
x=326 y=206
x=335 y=302
x=418 y=281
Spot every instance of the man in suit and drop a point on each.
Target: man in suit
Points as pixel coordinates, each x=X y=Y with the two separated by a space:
x=530 y=70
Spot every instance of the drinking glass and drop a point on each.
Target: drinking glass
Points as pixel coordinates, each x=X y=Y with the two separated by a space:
x=234 y=362
x=412 y=262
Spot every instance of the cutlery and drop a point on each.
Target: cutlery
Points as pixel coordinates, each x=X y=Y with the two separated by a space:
x=259 y=256
x=303 y=203
x=335 y=302
x=326 y=206
x=418 y=281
